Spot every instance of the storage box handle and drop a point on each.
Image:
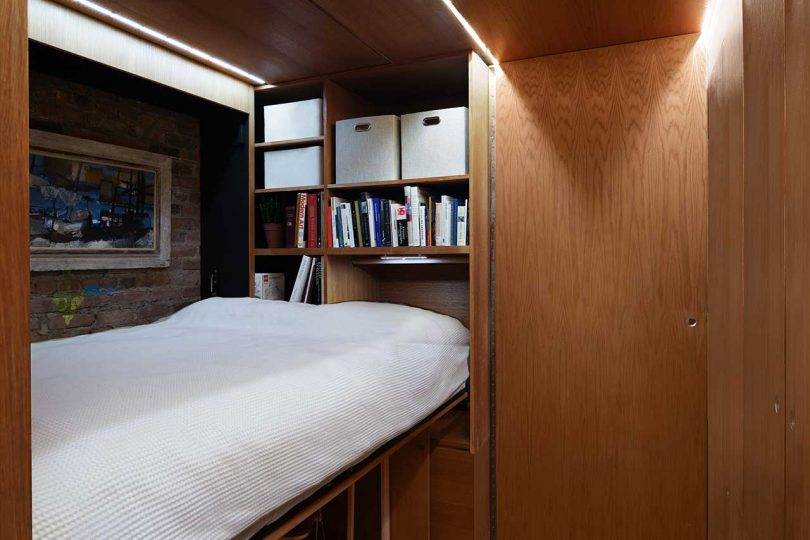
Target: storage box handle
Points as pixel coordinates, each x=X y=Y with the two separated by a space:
x=365 y=126
x=431 y=121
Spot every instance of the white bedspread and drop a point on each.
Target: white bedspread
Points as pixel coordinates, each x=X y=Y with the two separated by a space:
x=198 y=426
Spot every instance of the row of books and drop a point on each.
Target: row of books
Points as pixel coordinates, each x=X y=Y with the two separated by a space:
x=302 y=226
x=423 y=219
x=308 y=282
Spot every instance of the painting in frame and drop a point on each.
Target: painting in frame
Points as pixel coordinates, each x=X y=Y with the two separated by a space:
x=94 y=205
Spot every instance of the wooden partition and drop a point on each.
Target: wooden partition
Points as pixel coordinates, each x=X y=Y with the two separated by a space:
x=15 y=378
x=759 y=269
x=601 y=299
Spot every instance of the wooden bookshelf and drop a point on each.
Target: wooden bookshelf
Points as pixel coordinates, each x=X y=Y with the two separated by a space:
x=400 y=251
x=437 y=181
x=454 y=280
x=288 y=252
x=292 y=189
x=286 y=145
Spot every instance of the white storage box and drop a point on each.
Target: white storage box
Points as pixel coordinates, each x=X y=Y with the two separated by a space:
x=434 y=143
x=367 y=149
x=295 y=167
x=291 y=121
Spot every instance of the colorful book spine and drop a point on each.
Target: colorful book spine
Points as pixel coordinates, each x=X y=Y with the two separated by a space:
x=312 y=220
x=300 y=216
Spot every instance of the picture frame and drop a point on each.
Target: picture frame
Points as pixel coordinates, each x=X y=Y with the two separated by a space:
x=97 y=206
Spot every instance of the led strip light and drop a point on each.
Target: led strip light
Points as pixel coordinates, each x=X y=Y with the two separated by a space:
x=471 y=31
x=174 y=43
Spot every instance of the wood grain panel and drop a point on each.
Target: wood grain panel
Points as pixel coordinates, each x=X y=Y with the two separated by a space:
x=451 y=494
x=726 y=373
x=15 y=378
x=601 y=235
x=797 y=269
x=279 y=40
x=424 y=28
x=409 y=490
x=519 y=29
x=764 y=279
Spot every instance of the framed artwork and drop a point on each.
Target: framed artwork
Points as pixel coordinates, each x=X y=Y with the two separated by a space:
x=94 y=205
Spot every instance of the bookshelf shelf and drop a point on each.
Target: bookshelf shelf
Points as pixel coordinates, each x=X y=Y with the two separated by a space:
x=433 y=181
x=401 y=251
x=290 y=252
x=286 y=145
x=295 y=189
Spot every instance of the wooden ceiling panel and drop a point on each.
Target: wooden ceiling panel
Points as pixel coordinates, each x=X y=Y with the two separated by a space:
x=518 y=29
x=401 y=30
x=279 y=40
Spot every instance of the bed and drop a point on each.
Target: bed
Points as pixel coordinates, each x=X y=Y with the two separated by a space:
x=226 y=414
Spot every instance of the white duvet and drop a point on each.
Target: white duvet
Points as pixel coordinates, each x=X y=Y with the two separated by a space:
x=226 y=412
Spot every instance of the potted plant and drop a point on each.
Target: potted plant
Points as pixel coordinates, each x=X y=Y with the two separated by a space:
x=271 y=211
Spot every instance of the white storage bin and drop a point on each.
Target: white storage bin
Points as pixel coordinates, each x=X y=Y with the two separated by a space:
x=434 y=143
x=296 y=167
x=295 y=120
x=367 y=149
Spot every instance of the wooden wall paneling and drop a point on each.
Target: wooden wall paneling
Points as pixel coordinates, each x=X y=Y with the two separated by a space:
x=368 y=506
x=451 y=494
x=480 y=227
x=764 y=280
x=63 y=28
x=409 y=490
x=279 y=40
x=15 y=378
x=347 y=282
x=725 y=370
x=797 y=269
x=401 y=31
x=518 y=29
x=601 y=205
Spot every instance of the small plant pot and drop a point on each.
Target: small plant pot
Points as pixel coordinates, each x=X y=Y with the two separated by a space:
x=274 y=234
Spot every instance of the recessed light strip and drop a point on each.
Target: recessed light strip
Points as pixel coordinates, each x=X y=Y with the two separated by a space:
x=174 y=43
x=471 y=31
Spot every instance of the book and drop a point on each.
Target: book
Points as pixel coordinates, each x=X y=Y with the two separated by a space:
x=462 y=224
x=377 y=221
x=452 y=229
x=312 y=220
x=358 y=224
x=422 y=224
x=402 y=225
x=310 y=288
x=348 y=228
x=319 y=214
x=301 y=279
x=371 y=228
x=409 y=216
x=300 y=220
x=332 y=241
x=339 y=224
x=392 y=223
x=364 y=221
x=289 y=226
x=385 y=222
x=269 y=286
x=417 y=198
x=318 y=294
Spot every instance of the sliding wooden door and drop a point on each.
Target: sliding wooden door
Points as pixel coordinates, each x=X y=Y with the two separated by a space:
x=15 y=416
x=601 y=300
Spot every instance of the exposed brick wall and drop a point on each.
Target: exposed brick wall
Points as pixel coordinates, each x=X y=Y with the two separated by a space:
x=115 y=298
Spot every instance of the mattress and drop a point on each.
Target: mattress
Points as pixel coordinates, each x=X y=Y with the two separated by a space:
x=226 y=413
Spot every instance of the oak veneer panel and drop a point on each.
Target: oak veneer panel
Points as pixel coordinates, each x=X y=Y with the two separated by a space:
x=797 y=269
x=726 y=263
x=601 y=235
x=764 y=278
x=279 y=40
x=15 y=378
x=519 y=29
x=409 y=490
x=451 y=494
x=401 y=31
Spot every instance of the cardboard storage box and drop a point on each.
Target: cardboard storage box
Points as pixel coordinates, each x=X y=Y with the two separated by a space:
x=367 y=149
x=434 y=143
x=291 y=121
x=295 y=167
